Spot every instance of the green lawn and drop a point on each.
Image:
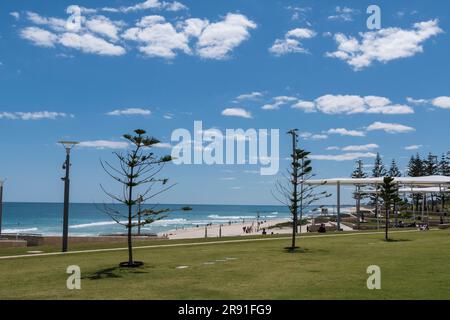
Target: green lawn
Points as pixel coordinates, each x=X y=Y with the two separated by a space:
x=415 y=266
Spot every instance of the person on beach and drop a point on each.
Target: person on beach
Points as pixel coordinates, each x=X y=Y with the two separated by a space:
x=322 y=228
x=264 y=231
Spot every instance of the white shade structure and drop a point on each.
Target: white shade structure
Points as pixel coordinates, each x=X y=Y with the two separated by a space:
x=431 y=181
x=407 y=185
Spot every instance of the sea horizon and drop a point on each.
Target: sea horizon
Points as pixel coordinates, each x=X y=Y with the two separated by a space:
x=87 y=219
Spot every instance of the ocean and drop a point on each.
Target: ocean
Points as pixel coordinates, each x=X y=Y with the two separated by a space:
x=88 y=219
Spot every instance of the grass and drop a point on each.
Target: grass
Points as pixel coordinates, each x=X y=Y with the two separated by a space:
x=414 y=265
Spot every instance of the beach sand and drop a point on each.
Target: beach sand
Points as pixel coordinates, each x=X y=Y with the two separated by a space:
x=227 y=230
x=235 y=229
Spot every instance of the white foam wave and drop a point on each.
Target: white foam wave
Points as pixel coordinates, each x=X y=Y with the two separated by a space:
x=93 y=224
x=216 y=216
x=19 y=230
x=163 y=222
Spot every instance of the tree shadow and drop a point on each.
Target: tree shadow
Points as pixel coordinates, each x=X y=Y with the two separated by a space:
x=397 y=240
x=115 y=272
x=296 y=250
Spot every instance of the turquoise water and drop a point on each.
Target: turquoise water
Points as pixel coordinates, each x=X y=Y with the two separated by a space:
x=88 y=219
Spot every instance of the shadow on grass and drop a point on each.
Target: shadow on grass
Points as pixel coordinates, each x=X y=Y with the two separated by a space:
x=296 y=250
x=115 y=272
x=397 y=240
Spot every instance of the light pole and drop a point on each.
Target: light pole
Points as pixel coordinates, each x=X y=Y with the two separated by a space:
x=1 y=205
x=68 y=145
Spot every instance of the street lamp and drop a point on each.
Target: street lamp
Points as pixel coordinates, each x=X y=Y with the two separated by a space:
x=1 y=205
x=68 y=145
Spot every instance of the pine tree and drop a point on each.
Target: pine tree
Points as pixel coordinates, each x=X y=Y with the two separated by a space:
x=431 y=168
x=430 y=165
x=389 y=194
x=359 y=173
x=378 y=169
x=416 y=169
x=292 y=191
x=444 y=166
x=394 y=170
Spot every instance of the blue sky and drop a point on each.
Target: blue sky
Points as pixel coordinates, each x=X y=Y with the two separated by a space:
x=160 y=65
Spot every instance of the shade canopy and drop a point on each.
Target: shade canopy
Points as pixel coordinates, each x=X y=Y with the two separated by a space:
x=430 y=181
x=414 y=190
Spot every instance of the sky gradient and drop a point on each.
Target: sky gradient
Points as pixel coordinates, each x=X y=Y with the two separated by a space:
x=161 y=65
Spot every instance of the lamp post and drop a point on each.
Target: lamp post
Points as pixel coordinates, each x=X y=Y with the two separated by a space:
x=68 y=145
x=1 y=205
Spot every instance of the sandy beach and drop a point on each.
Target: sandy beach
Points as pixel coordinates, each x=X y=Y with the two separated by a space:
x=235 y=229
x=226 y=230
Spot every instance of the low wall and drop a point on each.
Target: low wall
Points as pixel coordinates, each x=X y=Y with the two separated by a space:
x=35 y=240
x=13 y=243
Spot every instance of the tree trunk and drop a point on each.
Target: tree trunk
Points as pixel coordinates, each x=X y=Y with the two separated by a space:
x=294 y=231
x=130 y=214
x=387 y=224
x=130 y=245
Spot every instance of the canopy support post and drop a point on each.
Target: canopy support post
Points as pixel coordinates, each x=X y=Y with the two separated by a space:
x=338 y=196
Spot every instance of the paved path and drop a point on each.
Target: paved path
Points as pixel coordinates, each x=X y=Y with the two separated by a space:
x=195 y=244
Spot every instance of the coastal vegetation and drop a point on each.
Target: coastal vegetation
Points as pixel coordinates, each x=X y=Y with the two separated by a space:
x=138 y=167
x=292 y=191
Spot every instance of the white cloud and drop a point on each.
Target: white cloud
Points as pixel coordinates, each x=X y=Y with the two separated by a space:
x=345 y=132
x=390 y=127
x=105 y=27
x=175 y=6
x=311 y=136
x=278 y=102
x=130 y=112
x=250 y=96
x=441 y=102
x=15 y=14
x=149 y=4
x=218 y=39
x=352 y=104
x=168 y=116
x=344 y=157
x=81 y=40
x=39 y=115
x=55 y=24
x=417 y=102
x=291 y=43
x=307 y=106
x=158 y=38
x=39 y=37
x=383 y=45
x=366 y=147
x=155 y=37
x=163 y=145
x=90 y=44
x=343 y=14
x=236 y=112
x=413 y=147
x=104 y=144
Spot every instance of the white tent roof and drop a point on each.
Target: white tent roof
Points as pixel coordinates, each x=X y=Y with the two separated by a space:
x=413 y=181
